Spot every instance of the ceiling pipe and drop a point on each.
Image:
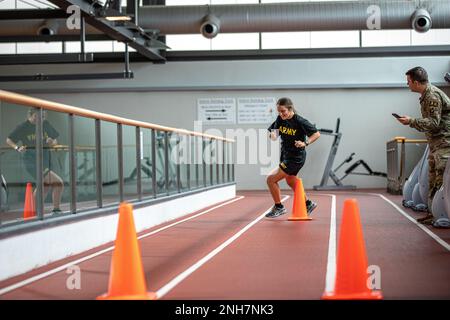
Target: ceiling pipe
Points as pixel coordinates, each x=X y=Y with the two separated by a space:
x=274 y=17
x=300 y=16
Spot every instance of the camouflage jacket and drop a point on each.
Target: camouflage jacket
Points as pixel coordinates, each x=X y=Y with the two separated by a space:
x=435 y=121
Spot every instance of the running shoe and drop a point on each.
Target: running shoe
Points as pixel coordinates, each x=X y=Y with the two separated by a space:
x=276 y=212
x=310 y=206
x=56 y=211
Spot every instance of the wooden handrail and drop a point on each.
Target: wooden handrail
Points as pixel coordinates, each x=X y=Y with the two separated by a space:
x=24 y=100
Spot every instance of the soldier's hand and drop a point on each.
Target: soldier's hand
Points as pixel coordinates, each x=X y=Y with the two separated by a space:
x=404 y=120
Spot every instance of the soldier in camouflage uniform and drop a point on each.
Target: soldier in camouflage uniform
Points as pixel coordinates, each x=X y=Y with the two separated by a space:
x=435 y=123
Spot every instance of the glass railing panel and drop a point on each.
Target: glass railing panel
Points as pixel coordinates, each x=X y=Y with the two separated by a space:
x=172 y=162
x=17 y=167
x=146 y=163
x=160 y=163
x=193 y=165
x=129 y=163
x=207 y=158
x=85 y=163
x=56 y=174
x=184 y=162
x=110 y=173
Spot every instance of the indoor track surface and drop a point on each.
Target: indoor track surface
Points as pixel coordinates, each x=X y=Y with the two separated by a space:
x=231 y=251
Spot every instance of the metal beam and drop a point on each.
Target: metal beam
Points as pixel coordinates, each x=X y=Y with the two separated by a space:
x=72 y=165
x=58 y=77
x=136 y=37
x=21 y=14
x=45 y=58
x=319 y=53
x=313 y=53
x=98 y=163
x=53 y=38
x=39 y=165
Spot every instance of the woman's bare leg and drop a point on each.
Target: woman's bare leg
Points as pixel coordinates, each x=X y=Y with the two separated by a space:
x=57 y=185
x=272 y=183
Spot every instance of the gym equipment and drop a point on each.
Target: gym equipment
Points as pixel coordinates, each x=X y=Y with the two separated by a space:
x=423 y=180
x=409 y=185
x=438 y=210
x=418 y=202
x=3 y=195
x=413 y=197
x=329 y=173
x=421 y=200
x=441 y=202
x=3 y=191
x=147 y=168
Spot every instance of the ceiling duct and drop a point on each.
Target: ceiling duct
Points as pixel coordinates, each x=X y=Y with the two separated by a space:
x=273 y=17
x=299 y=16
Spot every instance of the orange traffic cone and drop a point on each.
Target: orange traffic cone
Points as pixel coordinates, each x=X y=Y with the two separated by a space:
x=351 y=274
x=299 y=207
x=127 y=278
x=29 y=210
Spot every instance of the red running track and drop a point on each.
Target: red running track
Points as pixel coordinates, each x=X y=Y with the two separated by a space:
x=268 y=259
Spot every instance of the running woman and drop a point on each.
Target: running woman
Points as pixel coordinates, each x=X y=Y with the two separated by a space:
x=293 y=130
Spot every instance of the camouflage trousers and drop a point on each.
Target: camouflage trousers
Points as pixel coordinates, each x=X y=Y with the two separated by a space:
x=437 y=161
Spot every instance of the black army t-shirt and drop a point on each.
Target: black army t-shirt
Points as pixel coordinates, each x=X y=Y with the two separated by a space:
x=26 y=132
x=291 y=130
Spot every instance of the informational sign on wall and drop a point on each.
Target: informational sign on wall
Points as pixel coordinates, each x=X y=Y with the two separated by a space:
x=217 y=110
x=256 y=110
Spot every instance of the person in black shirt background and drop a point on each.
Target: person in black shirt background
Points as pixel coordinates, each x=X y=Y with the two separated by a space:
x=25 y=133
x=293 y=130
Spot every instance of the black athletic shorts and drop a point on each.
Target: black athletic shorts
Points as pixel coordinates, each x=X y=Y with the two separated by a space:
x=29 y=159
x=292 y=166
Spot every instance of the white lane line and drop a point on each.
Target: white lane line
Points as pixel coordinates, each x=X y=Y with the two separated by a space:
x=421 y=226
x=96 y=254
x=175 y=281
x=407 y=216
x=330 y=278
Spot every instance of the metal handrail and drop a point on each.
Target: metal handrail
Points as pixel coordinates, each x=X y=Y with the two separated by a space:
x=158 y=134
x=21 y=99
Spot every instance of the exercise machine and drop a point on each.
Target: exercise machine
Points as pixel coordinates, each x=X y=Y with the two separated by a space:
x=3 y=191
x=3 y=195
x=441 y=202
x=330 y=173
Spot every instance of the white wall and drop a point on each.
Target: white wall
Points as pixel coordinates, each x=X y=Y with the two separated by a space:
x=362 y=92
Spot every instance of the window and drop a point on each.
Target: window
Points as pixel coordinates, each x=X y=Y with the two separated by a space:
x=385 y=38
x=285 y=40
x=7 y=48
x=230 y=41
x=188 y=42
x=432 y=37
x=39 y=47
x=334 y=39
